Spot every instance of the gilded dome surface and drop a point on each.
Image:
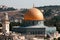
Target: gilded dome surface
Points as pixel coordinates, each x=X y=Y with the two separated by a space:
x=33 y=14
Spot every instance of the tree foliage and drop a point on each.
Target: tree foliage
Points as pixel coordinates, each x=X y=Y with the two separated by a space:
x=14 y=24
x=55 y=21
x=48 y=13
x=7 y=9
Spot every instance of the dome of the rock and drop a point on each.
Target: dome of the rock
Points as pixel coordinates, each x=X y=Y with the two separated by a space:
x=33 y=14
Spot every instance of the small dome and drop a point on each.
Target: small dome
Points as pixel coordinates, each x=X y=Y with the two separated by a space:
x=33 y=14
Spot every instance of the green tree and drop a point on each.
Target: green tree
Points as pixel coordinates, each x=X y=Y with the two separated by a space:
x=55 y=21
x=59 y=38
x=48 y=13
x=14 y=24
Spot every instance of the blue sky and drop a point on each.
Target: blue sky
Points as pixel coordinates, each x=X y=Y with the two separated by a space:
x=28 y=3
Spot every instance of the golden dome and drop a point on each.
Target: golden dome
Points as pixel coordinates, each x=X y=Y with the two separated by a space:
x=33 y=14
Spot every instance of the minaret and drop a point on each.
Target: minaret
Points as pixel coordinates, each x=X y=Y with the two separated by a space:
x=5 y=23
